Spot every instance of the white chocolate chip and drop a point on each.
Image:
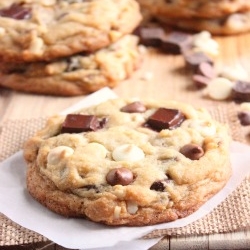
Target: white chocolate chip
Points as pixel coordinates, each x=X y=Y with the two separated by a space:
x=128 y=152
x=219 y=88
x=205 y=128
x=142 y=49
x=117 y=212
x=236 y=21
x=36 y=46
x=203 y=42
x=59 y=153
x=96 y=150
x=132 y=207
x=2 y=31
x=234 y=73
x=245 y=106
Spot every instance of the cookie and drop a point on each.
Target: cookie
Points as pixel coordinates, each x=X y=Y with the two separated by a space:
x=75 y=75
x=197 y=8
x=32 y=30
x=129 y=162
x=228 y=25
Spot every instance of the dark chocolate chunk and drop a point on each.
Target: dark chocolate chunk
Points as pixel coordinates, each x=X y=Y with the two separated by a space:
x=151 y=36
x=192 y=151
x=76 y=123
x=165 y=118
x=120 y=176
x=206 y=69
x=244 y=118
x=194 y=59
x=200 y=81
x=176 y=42
x=103 y=122
x=241 y=91
x=16 y=11
x=134 y=107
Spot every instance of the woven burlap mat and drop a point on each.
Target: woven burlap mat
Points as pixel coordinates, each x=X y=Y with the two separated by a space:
x=231 y=215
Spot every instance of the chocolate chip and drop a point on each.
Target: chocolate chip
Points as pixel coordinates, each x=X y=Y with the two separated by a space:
x=176 y=42
x=206 y=69
x=244 y=118
x=241 y=91
x=151 y=36
x=158 y=186
x=76 y=123
x=192 y=151
x=200 y=81
x=134 y=107
x=165 y=118
x=194 y=59
x=16 y=11
x=120 y=176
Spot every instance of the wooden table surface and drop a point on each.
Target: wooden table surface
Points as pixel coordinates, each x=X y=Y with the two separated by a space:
x=168 y=78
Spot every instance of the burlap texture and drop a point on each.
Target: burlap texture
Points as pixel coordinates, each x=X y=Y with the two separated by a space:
x=231 y=215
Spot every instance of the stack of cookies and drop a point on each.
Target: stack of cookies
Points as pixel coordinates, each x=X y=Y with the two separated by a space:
x=219 y=17
x=67 y=48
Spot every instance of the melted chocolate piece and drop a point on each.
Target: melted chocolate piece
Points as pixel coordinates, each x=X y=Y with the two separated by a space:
x=193 y=60
x=200 y=81
x=120 y=176
x=176 y=42
x=206 y=69
x=192 y=151
x=150 y=36
x=165 y=118
x=241 y=91
x=134 y=107
x=16 y=11
x=244 y=118
x=75 y=123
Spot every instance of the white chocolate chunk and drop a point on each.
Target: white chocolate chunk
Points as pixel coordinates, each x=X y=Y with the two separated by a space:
x=2 y=31
x=117 y=212
x=219 y=88
x=95 y=149
x=205 y=128
x=132 y=207
x=36 y=46
x=245 y=106
x=203 y=42
x=236 y=21
x=128 y=152
x=59 y=153
x=234 y=73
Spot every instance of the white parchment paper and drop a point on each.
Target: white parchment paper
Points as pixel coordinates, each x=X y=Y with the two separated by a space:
x=19 y=206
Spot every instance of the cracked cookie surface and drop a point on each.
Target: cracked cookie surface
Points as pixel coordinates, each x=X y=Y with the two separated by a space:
x=32 y=30
x=127 y=162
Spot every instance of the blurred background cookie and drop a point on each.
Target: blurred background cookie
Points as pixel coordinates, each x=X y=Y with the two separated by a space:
x=77 y=74
x=194 y=8
x=218 y=17
x=47 y=29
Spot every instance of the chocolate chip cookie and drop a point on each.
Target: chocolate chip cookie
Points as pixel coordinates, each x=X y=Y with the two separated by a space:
x=75 y=75
x=197 y=8
x=129 y=162
x=32 y=30
x=227 y=25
